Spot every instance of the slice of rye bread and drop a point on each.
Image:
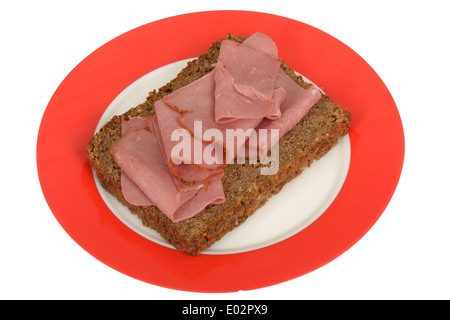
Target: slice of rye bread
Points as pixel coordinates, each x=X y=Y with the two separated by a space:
x=245 y=188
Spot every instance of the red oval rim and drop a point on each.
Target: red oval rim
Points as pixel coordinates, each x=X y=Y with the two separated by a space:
x=376 y=136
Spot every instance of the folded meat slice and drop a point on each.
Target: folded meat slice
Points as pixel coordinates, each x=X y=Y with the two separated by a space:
x=238 y=101
x=250 y=67
x=297 y=102
x=262 y=42
x=186 y=174
x=211 y=194
x=139 y=156
x=195 y=105
x=130 y=191
x=245 y=82
x=172 y=132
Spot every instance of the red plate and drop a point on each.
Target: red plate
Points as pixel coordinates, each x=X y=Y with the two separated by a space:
x=376 y=136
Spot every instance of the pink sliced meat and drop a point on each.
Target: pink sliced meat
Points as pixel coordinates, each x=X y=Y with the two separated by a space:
x=130 y=191
x=138 y=155
x=133 y=122
x=250 y=67
x=194 y=102
x=262 y=42
x=295 y=106
x=212 y=194
x=279 y=94
x=245 y=82
x=187 y=176
x=171 y=122
x=196 y=105
x=297 y=103
x=237 y=101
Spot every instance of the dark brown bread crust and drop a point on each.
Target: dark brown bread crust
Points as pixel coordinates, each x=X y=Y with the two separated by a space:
x=309 y=140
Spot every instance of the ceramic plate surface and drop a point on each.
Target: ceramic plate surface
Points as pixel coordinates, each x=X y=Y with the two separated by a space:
x=366 y=164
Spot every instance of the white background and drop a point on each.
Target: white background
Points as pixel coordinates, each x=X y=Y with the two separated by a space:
x=404 y=256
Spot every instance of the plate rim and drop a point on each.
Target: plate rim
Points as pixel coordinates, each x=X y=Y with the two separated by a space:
x=98 y=234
